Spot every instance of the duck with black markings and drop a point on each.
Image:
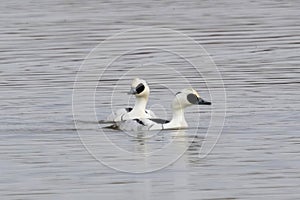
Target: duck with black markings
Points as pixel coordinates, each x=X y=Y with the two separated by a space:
x=182 y=100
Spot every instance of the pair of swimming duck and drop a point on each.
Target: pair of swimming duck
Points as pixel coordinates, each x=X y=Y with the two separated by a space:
x=139 y=118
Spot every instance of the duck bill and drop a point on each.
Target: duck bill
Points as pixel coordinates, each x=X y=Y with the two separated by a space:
x=203 y=102
x=132 y=91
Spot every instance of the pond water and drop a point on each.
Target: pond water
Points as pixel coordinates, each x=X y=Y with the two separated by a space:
x=254 y=44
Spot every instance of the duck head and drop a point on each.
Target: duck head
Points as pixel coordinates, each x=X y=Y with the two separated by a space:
x=139 y=88
x=186 y=98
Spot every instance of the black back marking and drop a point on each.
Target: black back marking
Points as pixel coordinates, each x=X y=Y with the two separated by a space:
x=140 y=88
x=139 y=121
x=192 y=98
x=128 y=109
x=159 y=121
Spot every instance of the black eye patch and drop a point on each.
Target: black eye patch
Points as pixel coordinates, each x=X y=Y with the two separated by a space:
x=177 y=93
x=192 y=98
x=140 y=88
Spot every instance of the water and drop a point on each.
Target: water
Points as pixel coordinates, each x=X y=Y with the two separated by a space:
x=255 y=44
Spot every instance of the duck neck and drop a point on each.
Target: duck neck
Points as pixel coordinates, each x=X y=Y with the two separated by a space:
x=140 y=104
x=178 y=119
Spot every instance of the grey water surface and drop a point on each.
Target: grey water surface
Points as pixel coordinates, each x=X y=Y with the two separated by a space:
x=254 y=44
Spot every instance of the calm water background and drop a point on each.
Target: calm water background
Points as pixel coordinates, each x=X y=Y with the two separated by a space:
x=256 y=46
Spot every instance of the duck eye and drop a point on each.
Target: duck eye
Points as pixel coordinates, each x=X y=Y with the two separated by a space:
x=177 y=93
x=140 y=88
x=192 y=98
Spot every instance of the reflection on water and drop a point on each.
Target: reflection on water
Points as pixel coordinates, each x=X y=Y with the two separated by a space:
x=255 y=44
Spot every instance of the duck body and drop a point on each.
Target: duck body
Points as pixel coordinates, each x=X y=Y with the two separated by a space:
x=127 y=114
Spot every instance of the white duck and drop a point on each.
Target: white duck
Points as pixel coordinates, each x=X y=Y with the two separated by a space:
x=182 y=100
x=141 y=90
